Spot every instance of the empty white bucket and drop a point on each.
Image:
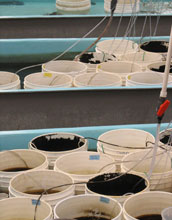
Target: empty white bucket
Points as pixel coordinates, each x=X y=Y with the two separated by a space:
x=130 y=138
x=57 y=144
x=19 y=159
x=116 y=47
x=47 y=80
x=158 y=67
x=97 y=79
x=87 y=165
x=146 y=79
x=33 y=183
x=24 y=208
x=91 y=59
x=120 y=68
x=118 y=186
x=167 y=213
x=88 y=206
x=139 y=163
x=71 y=68
x=142 y=58
x=147 y=203
x=9 y=81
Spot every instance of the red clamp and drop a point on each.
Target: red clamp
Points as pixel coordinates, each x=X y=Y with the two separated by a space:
x=163 y=107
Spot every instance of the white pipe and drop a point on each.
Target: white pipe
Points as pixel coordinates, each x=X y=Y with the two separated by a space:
x=163 y=92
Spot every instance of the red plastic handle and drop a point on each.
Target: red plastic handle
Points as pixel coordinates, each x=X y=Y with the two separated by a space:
x=163 y=107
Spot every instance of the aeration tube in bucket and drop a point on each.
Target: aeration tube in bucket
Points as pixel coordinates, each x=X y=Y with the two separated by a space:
x=57 y=144
x=119 y=186
x=97 y=79
x=121 y=68
x=71 y=68
x=123 y=142
x=24 y=208
x=47 y=80
x=146 y=79
x=116 y=47
x=13 y=162
x=139 y=163
x=34 y=183
x=91 y=59
x=9 y=80
x=147 y=205
x=88 y=207
x=142 y=58
x=82 y=166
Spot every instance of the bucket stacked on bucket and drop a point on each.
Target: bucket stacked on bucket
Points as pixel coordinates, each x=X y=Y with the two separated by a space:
x=73 y=6
x=123 y=6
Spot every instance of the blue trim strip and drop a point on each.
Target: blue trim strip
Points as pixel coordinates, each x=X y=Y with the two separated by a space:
x=20 y=139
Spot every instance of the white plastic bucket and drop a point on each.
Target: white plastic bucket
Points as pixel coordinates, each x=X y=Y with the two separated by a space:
x=156 y=67
x=146 y=79
x=116 y=47
x=73 y=143
x=122 y=7
x=91 y=59
x=132 y=138
x=97 y=79
x=139 y=163
x=24 y=208
x=147 y=203
x=165 y=138
x=142 y=58
x=87 y=165
x=71 y=7
x=20 y=158
x=167 y=213
x=71 y=68
x=155 y=46
x=120 y=68
x=47 y=80
x=88 y=206
x=9 y=81
x=121 y=188
x=26 y=184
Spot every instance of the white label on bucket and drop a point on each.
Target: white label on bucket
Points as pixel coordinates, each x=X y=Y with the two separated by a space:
x=36 y=202
x=48 y=74
x=94 y=157
x=105 y=200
